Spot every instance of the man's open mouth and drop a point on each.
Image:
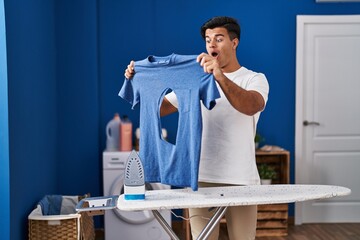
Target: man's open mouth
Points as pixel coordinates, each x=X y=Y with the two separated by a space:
x=214 y=54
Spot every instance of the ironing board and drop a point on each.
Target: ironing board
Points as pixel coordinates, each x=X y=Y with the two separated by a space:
x=219 y=197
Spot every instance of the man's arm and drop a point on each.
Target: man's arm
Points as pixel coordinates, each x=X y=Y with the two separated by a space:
x=167 y=108
x=244 y=101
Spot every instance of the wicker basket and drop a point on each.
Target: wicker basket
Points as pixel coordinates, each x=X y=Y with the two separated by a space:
x=78 y=226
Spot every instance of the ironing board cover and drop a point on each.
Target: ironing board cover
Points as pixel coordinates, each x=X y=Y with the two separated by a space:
x=231 y=196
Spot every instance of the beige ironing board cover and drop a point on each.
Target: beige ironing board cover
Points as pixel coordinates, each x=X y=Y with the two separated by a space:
x=230 y=196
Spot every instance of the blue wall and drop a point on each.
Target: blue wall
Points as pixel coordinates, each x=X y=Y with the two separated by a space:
x=78 y=154
x=4 y=135
x=53 y=103
x=66 y=60
x=32 y=107
x=78 y=151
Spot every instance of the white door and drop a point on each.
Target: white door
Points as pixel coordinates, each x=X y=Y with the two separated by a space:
x=328 y=114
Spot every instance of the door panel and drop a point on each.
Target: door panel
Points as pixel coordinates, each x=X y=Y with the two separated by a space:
x=328 y=85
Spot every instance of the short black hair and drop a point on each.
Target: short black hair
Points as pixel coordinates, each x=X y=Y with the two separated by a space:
x=229 y=23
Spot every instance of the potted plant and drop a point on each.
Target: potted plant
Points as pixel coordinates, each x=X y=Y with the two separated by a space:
x=258 y=139
x=267 y=173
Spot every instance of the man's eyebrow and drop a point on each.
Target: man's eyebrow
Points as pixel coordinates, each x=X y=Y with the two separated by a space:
x=216 y=35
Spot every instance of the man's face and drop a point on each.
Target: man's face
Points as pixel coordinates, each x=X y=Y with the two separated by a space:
x=220 y=46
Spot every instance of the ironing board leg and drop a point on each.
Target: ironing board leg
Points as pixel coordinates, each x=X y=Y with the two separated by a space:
x=212 y=223
x=204 y=233
x=165 y=225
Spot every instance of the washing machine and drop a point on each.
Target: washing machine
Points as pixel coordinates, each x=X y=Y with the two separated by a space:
x=124 y=225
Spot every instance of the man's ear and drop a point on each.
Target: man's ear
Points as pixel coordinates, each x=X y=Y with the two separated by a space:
x=235 y=43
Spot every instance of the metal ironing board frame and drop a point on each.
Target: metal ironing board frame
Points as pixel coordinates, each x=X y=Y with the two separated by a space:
x=219 y=213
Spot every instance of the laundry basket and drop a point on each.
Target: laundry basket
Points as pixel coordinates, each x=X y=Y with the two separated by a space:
x=67 y=224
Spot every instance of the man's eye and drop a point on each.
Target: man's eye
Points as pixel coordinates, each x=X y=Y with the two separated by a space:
x=219 y=40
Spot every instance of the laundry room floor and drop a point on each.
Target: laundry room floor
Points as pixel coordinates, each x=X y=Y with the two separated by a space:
x=180 y=231
x=315 y=231
x=177 y=227
x=324 y=231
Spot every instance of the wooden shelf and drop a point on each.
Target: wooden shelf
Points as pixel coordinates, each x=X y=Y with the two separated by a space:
x=279 y=160
x=273 y=219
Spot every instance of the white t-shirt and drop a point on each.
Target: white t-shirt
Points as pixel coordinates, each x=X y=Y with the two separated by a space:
x=228 y=148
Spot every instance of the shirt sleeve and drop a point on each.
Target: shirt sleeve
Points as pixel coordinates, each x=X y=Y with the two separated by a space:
x=260 y=84
x=129 y=93
x=209 y=91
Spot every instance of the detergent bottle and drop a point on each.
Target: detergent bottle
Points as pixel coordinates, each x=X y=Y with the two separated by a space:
x=112 y=134
x=125 y=130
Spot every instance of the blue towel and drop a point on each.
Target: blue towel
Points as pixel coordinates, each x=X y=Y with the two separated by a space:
x=51 y=205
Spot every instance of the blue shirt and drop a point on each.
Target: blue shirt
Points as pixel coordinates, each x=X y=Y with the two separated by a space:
x=176 y=165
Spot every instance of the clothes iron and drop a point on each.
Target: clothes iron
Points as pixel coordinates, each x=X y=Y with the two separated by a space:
x=134 y=180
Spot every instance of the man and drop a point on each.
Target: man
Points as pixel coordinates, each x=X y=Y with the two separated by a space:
x=227 y=150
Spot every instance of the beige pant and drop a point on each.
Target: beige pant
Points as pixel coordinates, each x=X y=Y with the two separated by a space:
x=240 y=220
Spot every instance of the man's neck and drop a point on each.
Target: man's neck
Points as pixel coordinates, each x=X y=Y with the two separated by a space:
x=232 y=67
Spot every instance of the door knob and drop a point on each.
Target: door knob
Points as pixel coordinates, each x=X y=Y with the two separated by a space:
x=307 y=123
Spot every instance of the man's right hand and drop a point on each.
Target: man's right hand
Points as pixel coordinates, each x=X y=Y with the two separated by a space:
x=129 y=71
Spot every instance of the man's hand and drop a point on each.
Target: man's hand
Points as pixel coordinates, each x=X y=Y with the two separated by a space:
x=129 y=71
x=210 y=65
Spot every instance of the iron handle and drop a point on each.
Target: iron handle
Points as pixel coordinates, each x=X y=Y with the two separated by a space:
x=307 y=123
